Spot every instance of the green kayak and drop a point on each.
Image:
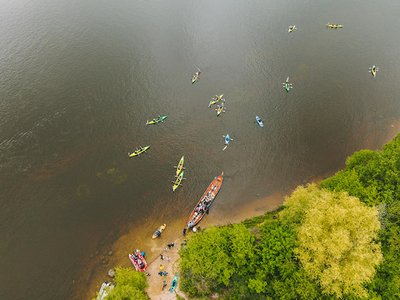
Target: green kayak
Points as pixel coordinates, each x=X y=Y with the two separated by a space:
x=156 y=120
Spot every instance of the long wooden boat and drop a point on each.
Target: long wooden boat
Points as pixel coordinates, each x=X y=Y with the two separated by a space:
x=205 y=201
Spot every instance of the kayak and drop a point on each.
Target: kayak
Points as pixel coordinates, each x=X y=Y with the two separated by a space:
x=334 y=26
x=259 y=121
x=287 y=85
x=138 y=261
x=158 y=232
x=105 y=289
x=180 y=167
x=220 y=109
x=216 y=99
x=196 y=76
x=156 y=120
x=139 y=151
x=174 y=283
x=374 y=69
x=227 y=140
x=205 y=201
x=177 y=181
x=219 y=97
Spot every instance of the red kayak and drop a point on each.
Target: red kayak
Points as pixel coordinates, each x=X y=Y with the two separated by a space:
x=205 y=201
x=138 y=261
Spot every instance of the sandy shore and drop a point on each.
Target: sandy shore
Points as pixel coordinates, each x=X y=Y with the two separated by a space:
x=95 y=272
x=140 y=236
x=171 y=256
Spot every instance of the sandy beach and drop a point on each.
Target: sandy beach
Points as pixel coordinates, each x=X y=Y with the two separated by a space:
x=96 y=272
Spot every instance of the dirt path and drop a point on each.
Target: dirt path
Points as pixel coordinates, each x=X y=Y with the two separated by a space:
x=171 y=264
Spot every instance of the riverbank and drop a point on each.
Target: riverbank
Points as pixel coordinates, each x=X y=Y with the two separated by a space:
x=139 y=236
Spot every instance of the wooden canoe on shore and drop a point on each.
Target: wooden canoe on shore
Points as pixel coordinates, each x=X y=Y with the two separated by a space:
x=205 y=201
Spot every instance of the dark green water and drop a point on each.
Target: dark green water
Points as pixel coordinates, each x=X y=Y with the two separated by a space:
x=78 y=79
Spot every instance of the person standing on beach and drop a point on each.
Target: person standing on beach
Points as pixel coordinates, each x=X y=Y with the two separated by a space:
x=164 y=285
x=184 y=231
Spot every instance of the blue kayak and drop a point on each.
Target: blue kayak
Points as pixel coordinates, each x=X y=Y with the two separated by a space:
x=259 y=121
x=227 y=139
x=174 y=283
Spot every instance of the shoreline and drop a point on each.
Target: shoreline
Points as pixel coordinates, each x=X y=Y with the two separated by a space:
x=136 y=235
x=173 y=233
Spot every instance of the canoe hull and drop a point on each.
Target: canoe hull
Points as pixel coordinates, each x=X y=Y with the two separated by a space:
x=205 y=201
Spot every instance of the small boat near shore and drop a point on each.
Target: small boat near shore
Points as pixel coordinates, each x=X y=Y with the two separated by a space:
x=138 y=261
x=205 y=201
x=105 y=289
x=174 y=283
x=159 y=230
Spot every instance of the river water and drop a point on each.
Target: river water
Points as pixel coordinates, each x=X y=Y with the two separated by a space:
x=79 y=79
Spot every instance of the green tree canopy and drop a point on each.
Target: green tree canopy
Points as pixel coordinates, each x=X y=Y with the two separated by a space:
x=129 y=284
x=336 y=239
x=212 y=257
x=372 y=176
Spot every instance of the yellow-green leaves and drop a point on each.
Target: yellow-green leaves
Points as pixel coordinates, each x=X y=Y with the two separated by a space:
x=336 y=235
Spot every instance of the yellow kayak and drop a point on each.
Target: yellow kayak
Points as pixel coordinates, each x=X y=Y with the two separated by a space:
x=177 y=182
x=180 y=167
x=158 y=232
x=139 y=151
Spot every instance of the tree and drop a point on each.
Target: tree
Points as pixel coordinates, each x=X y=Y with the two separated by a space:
x=372 y=176
x=387 y=280
x=129 y=284
x=279 y=276
x=336 y=236
x=213 y=256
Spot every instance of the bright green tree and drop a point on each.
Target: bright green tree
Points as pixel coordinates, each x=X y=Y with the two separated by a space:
x=372 y=176
x=129 y=284
x=278 y=274
x=336 y=239
x=213 y=256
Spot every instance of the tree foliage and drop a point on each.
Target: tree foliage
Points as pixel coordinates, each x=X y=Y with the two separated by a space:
x=372 y=176
x=336 y=239
x=387 y=282
x=325 y=244
x=129 y=284
x=213 y=256
x=278 y=275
